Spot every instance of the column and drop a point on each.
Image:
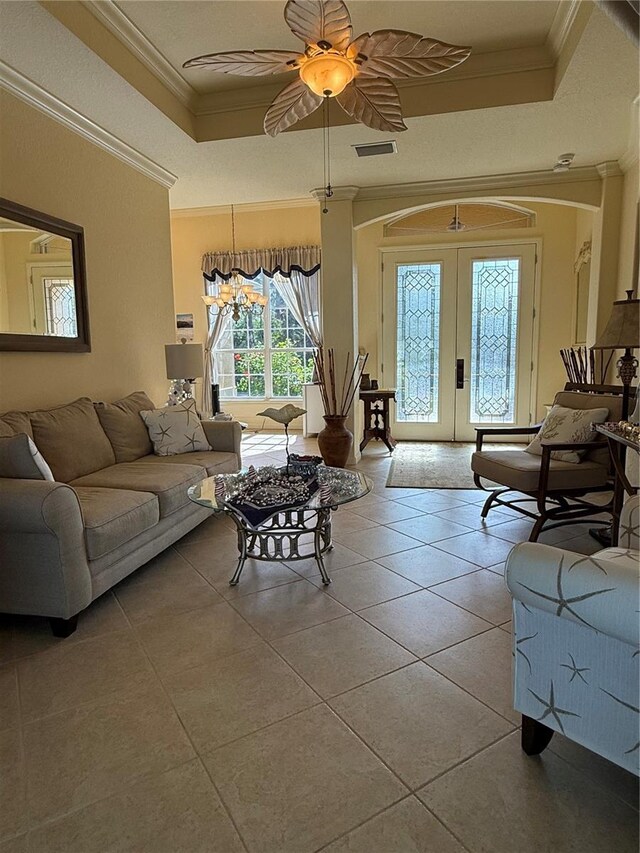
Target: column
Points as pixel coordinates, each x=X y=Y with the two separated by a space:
x=605 y=250
x=339 y=289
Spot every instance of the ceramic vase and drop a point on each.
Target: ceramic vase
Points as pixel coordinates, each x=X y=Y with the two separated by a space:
x=335 y=441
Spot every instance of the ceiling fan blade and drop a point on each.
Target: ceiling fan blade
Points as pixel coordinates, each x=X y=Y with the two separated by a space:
x=317 y=21
x=374 y=101
x=292 y=104
x=248 y=63
x=395 y=53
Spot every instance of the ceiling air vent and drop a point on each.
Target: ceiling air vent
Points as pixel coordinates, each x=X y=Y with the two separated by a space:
x=372 y=149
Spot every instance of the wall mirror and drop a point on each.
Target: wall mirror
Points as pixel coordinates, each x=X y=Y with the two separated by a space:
x=43 y=298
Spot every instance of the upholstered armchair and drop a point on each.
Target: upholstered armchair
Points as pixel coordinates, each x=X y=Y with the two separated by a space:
x=575 y=643
x=548 y=490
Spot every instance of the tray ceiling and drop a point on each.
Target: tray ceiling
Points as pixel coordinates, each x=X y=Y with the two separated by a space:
x=180 y=29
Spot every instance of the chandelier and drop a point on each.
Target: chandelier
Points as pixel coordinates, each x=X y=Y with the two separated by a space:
x=235 y=297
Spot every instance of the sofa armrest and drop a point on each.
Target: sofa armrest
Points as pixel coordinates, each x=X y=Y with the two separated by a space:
x=224 y=436
x=43 y=559
x=597 y=592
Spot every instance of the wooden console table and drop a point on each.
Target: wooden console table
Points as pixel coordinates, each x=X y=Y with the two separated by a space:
x=376 y=418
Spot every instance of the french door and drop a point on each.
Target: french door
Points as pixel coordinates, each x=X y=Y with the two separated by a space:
x=457 y=339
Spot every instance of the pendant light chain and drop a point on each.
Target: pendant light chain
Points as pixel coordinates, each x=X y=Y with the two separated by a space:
x=326 y=139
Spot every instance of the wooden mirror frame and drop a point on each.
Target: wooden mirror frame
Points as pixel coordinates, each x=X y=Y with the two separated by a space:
x=12 y=342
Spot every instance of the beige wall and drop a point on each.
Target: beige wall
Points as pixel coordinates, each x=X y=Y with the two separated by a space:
x=555 y=228
x=192 y=235
x=4 y=296
x=125 y=216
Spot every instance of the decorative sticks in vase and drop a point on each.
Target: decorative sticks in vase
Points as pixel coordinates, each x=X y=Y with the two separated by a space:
x=326 y=373
x=335 y=439
x=580 y=364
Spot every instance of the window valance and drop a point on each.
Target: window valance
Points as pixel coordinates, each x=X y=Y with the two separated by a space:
x=251 y=262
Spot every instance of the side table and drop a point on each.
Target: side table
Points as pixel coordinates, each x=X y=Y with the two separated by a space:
x=376 y=418
x=618 y=444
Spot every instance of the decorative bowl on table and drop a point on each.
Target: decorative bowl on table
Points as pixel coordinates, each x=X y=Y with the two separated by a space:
x=304 y=465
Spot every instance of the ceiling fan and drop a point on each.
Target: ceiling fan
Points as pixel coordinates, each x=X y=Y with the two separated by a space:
x=356 y=72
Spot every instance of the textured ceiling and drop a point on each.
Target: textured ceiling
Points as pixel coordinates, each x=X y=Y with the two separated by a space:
x=590 y=115
x=181 y=29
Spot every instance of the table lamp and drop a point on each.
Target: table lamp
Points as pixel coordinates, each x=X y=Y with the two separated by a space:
x=184 y=365
x=623 y=332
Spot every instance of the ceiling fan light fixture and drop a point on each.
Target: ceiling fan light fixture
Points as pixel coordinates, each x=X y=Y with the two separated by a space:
x=328 y=73
x=456 y=224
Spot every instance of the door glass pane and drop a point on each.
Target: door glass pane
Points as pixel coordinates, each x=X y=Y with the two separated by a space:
x=60 y=307
x=418 y=342
x=494 y=334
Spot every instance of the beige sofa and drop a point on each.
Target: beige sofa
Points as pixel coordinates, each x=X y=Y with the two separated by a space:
x=112 y=505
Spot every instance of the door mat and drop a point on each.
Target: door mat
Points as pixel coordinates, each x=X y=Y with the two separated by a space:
x=436 y=464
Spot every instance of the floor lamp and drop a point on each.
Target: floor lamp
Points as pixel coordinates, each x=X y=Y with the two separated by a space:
x=621 y=332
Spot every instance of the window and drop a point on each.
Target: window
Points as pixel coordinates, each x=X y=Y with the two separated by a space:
x=264 y=355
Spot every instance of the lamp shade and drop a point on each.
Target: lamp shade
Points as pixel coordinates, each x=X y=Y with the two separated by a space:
x=623 y=329
x=184 y=361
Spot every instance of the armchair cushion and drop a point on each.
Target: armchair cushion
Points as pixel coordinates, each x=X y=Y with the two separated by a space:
x=521 y=471
x=563 y=425
x=125 y=428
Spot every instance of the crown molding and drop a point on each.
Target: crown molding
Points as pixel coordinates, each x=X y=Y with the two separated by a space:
x=610 y=169
x=480 y=183
x=34 y=95
x=280 y=204
x=561 y=25
x=115 y=20
x=628 y=160
x=346 y=193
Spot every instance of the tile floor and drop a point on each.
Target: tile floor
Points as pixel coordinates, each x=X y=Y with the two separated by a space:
x=184 y=716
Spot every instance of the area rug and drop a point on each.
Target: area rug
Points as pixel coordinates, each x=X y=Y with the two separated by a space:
x=435 y=464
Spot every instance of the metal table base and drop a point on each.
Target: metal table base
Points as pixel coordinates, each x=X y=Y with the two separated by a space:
x=280 y=538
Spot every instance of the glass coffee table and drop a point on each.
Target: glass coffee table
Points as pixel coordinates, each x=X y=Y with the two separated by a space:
x=282 y=532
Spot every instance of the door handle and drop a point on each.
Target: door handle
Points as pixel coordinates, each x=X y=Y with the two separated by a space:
x=459 y=373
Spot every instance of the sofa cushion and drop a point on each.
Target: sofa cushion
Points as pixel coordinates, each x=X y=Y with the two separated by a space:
x=125 y=428
x=521 y=471
x=168 y=482
x=114 y=516
x=20 y=459
x=71 y=440
x=212 y=461
x=12 y=423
